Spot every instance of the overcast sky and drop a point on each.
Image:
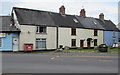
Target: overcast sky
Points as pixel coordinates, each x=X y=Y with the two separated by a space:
x=93 y=7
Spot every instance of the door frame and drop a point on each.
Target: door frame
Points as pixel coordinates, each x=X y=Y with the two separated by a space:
x=12 y=43
x=88 y=43
x=82 y=42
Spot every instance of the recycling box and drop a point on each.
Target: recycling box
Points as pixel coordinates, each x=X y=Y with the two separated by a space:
x=28 y=47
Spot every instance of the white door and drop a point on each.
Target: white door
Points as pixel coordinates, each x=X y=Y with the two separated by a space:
x=15 y=44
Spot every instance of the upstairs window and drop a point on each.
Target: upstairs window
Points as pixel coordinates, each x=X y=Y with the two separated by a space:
x=73 y=42
x=0 y=42
x=41 y=29
x=95 y=32
x=73 y=31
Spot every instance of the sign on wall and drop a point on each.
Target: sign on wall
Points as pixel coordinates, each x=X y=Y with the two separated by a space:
x=2 y=34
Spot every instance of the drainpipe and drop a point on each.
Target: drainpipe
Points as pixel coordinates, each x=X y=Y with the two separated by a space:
x=57 y=38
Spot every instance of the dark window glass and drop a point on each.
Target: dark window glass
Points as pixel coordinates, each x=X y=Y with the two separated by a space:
x=73 y=42
x=95 y=42
x=73 y=31
x=95 y=32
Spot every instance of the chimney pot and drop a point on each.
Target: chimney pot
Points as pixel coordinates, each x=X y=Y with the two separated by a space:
x=62 y=10
x=101 y=16
x=83 y=13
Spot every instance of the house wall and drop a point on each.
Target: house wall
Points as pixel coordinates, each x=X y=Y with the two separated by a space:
x=108 y=37
x=26 y=38
x=81 y=34
x=7 y=42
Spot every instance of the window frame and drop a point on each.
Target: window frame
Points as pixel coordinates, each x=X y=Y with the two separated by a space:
x=73 y=42
x=95 y=32
x=73 y=31
x=41 y=40
x=38 y=29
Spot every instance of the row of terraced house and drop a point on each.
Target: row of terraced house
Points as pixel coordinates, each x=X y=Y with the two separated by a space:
x=49 y=30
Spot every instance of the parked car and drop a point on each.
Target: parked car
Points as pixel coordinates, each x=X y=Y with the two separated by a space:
x=103 y=48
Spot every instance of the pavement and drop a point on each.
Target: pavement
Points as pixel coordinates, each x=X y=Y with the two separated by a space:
x=59 y=63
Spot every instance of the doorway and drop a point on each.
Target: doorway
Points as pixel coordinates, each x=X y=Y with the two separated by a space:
x=81 y=43
x=88 y=43
x=15 y=44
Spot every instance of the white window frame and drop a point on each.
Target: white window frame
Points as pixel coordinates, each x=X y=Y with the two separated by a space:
x=0 y=42
x=41 y=40
x=38 y=29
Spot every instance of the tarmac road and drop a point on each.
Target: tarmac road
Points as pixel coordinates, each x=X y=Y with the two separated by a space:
x=59 y=63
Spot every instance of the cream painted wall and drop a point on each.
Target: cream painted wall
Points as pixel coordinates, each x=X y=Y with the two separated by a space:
x=26 y=37
x=81 y=34
x=63 y=39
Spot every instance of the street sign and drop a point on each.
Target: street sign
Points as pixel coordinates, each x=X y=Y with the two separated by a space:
x=2 y=34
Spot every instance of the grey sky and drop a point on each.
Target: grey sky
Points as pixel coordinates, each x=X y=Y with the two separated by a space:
x=93 y=8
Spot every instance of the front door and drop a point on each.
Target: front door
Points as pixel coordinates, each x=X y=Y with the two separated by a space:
x=81 y=43
x=88 y=43
x=15 y=44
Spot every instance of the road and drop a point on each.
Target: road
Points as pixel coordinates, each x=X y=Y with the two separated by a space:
x=59 y=63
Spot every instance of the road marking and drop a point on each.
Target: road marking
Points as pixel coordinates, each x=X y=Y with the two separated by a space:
x=56 y=57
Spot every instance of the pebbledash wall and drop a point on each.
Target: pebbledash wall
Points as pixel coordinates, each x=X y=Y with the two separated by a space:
x=109 y=38
x=81 y=34
x=7 y=41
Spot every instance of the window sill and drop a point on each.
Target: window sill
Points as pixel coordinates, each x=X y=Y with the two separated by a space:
x=73 y=35
x=42 y=33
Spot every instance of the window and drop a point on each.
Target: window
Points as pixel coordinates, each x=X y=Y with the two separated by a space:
x=0 y=42
x=73 y=31
x=41 y=29
x=94 y=22
x=75 y=20
x=114 y=41
x=95 y=32
x=73 y=42
x=113 y=34
x=40 y=43
x=95 y=42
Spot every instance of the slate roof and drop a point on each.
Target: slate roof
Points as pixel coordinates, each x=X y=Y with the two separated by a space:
x=37 y=17
x=90 y=23
x=33 y=17
x=66 y=20
x=5 y=22
x=108 y=25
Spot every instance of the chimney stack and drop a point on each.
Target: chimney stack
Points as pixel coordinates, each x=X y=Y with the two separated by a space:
x=62 y=10
x=101 y=16
x=83 y=13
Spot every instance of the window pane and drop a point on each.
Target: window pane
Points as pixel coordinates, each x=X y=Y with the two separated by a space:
x=95 y=42
x=95 y=32
x=40 y=43
x=37 y=29
x=73 y=42
x=73 y=31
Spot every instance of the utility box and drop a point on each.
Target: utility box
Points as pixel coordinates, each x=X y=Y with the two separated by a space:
x=28 y=47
